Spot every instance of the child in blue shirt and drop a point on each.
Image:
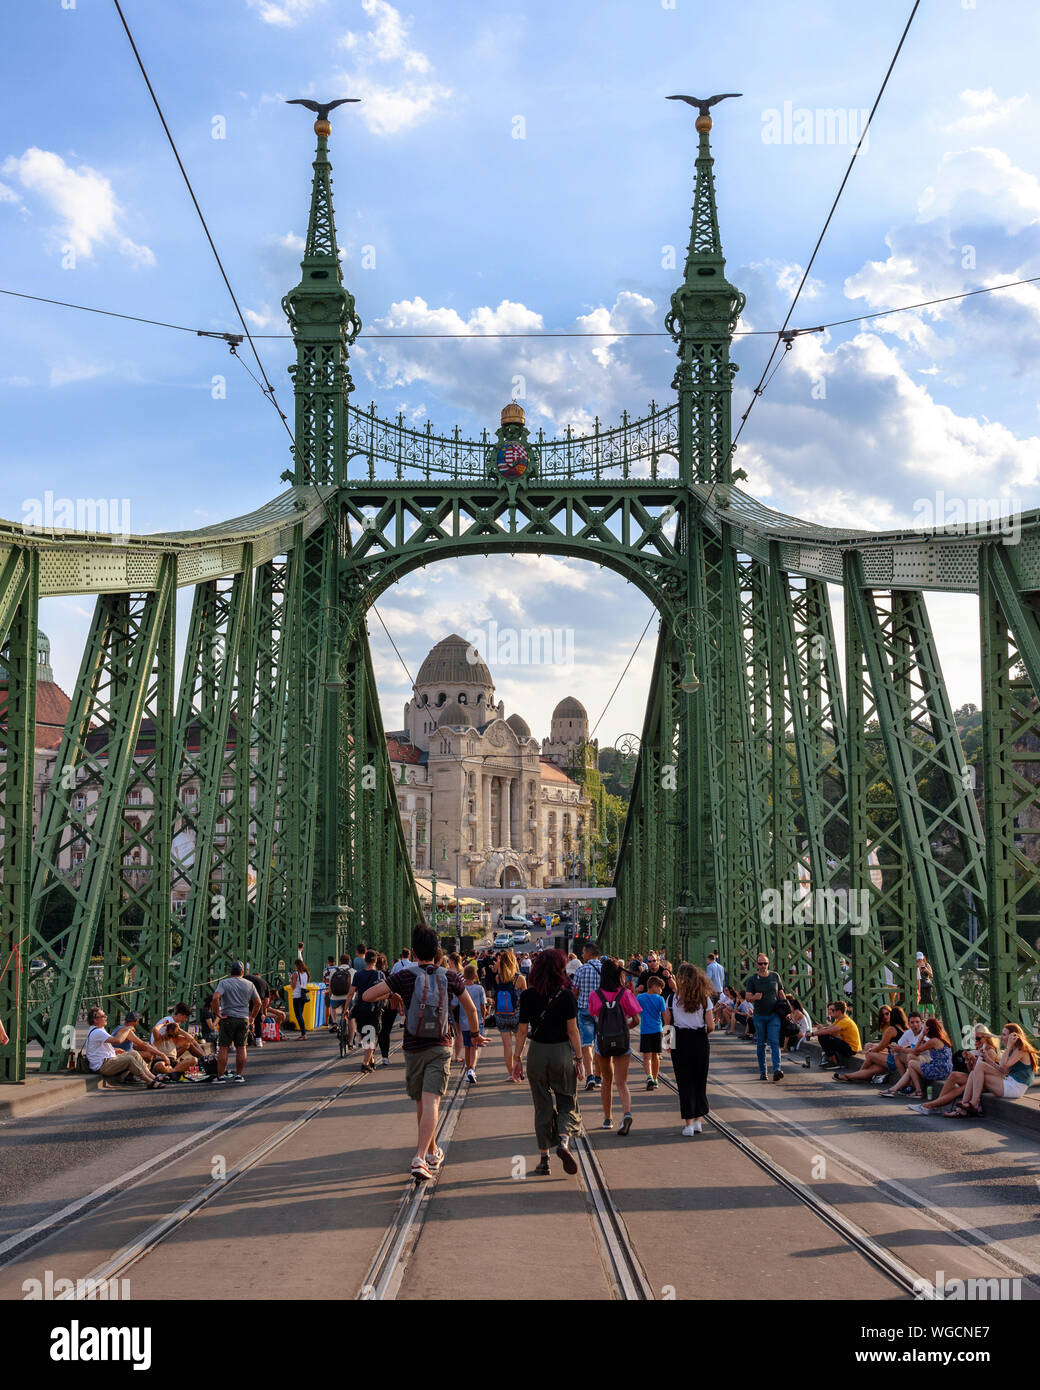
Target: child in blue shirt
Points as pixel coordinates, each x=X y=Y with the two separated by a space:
x=651 y=1037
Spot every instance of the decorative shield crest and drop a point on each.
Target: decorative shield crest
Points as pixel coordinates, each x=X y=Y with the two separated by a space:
x=513 y=460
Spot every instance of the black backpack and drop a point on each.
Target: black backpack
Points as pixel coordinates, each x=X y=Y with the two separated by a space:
x=611 y=1027
x=339 y=983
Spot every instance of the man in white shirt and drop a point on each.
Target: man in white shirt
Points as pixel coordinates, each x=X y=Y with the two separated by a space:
x=105 y=1060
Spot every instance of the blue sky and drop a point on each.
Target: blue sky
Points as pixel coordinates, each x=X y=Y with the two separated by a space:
x=567 y=227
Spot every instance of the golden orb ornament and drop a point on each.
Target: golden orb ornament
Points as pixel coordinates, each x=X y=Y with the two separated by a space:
x=325 y=128
x=512 y=414
x=703 y=123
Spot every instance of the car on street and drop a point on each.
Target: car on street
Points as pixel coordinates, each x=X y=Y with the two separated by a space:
x=521 y=936
x=503 y=940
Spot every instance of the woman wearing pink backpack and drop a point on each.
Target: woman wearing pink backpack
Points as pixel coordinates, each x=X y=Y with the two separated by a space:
x=615 y=1009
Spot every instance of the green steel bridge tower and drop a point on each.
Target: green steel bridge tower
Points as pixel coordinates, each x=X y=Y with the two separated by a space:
x=789 y=794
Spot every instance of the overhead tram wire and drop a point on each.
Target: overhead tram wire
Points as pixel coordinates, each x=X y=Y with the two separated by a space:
x=267 y=388
x=382 y=337
x=624 y=673
x=784 y=334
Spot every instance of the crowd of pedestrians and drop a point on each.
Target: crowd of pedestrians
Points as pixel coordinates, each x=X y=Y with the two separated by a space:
x=567 y=1023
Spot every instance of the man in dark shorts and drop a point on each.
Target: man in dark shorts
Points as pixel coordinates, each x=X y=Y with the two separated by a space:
x=366 y=1017
x=239 y=1005
x=427 y=1059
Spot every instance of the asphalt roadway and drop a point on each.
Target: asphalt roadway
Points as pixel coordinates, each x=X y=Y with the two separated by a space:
x=306 y=1220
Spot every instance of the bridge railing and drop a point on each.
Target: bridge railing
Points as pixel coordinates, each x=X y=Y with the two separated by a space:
x=642 y=448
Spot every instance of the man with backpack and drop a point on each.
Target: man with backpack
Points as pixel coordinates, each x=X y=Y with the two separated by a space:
x=421 y=989
x=340 y=982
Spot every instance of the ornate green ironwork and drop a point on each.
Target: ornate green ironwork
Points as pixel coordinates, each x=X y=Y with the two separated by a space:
x=257 y=809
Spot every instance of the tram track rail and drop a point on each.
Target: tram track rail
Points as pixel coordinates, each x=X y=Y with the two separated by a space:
x=14 y=1246
x=901 y=1274
x=385 y=1274
x=619 y=1254
x=154 y=1236
x=898 y=1193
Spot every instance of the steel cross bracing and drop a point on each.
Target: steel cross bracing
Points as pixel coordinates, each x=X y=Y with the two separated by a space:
x=246 y=804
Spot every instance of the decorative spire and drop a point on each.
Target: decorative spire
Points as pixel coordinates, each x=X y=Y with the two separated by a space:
x=703 y=315
x=321 y=314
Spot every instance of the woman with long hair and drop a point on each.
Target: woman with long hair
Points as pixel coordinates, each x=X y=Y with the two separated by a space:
x=549 y=1017
x=300 y=977
x=613 y=994
x=509 y=985
x=892 y=1025
x=387 y=1018
x=1011 y=1077
x=692 y=1019
x=987 y=1048
x=930 y=1060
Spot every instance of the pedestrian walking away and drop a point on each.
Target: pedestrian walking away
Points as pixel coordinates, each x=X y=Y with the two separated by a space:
x=421 y=989
x=653 y=1007
x=300 y=977
x=691 y=1021
x=509 y=985
x=584 y=980
x=764 y=990
x=475 y=990
x=366 y=1016
x=387 y=1018
x=549 y=1018
x=615 y=1010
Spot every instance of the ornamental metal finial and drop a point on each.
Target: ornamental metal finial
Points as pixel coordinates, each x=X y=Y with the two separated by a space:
x=702 y=104
x=321 y=110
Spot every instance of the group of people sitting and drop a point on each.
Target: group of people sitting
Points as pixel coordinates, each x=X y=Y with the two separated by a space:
x=913 y=1050
x=232 y=1016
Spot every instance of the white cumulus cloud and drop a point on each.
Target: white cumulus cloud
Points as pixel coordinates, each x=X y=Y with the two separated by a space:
x=283 y=13
x=410 y=94
x=83 y=200
x=984 y=108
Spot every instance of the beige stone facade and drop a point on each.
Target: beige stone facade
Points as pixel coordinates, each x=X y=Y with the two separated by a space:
x=477 y=795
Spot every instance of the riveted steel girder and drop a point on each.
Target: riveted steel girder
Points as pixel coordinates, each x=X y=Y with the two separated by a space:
x=938 y=816
x=85 y=804
x=19 y=587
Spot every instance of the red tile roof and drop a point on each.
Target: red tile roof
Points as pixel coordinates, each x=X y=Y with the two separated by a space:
x=52 y=709
x=552 y=773
x=399 y=752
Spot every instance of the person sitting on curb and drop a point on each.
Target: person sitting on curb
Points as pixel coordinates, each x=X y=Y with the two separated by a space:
x=178 y=1048
x=987 y=1049
x=839 y=1037
x=105 y=1060
x=134 y=1043
x=930 y=1060
x=891 y=1026
x=1009 y=1078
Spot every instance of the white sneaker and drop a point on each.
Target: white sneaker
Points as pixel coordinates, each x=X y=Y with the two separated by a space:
x=698 y=1128
x=689 y=1131
x=385 y=1062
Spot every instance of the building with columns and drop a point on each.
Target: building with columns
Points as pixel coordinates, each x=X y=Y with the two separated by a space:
x=477 y=797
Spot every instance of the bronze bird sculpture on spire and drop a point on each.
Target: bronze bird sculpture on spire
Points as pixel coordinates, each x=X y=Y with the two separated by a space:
x=702 y=103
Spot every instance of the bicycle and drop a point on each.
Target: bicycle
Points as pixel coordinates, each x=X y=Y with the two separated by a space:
x=343 y=1026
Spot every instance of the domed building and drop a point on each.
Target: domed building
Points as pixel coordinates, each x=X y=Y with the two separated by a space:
x=477 y=797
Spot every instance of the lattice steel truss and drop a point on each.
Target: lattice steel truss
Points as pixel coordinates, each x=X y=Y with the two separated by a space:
x=247 y=805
